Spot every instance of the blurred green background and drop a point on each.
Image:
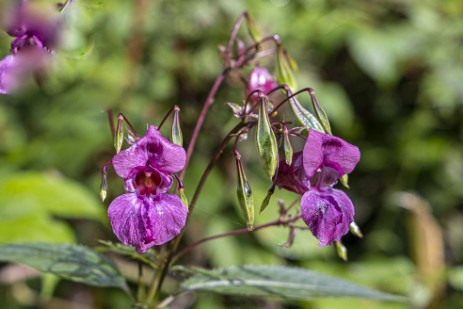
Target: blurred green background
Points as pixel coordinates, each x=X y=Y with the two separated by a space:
x=388 y=73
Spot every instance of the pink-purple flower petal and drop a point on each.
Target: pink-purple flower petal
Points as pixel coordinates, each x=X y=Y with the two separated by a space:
x=143 y=222
x=328 y=214
x=330 y=151
x=165 y=217
x=293 y=177
x=125 y=216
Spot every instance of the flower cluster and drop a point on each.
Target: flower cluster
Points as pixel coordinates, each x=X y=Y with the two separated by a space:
x=147 y=215
x=328 y=212
x=35 y=32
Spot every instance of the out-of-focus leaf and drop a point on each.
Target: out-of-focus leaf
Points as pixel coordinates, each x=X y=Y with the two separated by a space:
x=71 y=262
x=25 y=193
x=277 y=281
x=34 y=227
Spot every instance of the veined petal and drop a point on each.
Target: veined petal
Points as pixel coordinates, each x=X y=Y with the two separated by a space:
x=163 y=154
x=328 y=214
x=126 y=161
x=331 y=151
x=125 y=216
x=164 y=218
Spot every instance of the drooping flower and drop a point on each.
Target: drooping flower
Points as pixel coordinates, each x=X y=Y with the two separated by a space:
x=147 y=215
x=260 y=79
x=328 y=212
x=35 y=33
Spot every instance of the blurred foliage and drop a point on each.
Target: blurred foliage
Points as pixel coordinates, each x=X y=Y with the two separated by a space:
x=388 y=74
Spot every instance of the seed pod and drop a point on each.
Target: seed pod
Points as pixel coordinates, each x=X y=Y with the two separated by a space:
x=253 y=30
x=345 y=180
x=285 y=74
x=104 y=185
x=319 y=112
x=341 y=250
x=287 y=146
x=304 y=116
x=266 y=201
x=354 y=229
x=183 y=197
x=177 y=136
x=119 y=138
x=244 y=194
x=266 y=140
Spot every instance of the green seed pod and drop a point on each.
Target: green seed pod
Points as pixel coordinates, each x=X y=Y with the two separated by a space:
x=341 y=250
x=266 y=140
x=244 y=194
x=183 y=197
x=253 y=30
x=104 y=185
x=354 y=229
x=345 y=180
x=287 y=146
x=320 y=113
x=119 y=138
x=177 y=136
x=304 y=116
x=266 y=201
x=284 y=69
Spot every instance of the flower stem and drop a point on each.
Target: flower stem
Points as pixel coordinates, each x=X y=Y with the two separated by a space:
x=202 y=117
x=277 y=222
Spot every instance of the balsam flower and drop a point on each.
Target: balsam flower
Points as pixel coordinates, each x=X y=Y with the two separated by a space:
x=328 y=212
x=36 y=33
x=147 y=215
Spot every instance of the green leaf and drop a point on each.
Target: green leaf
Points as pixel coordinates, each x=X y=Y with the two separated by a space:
x=71 y=262
x=304 y=116
x=277 y=281
x=35 y=228
x=266 y=140
x=23 y=194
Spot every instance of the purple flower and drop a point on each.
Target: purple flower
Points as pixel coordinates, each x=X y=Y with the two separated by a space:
x=260 y=79
x=147 y=215
x=327 y=212
x=36 y=34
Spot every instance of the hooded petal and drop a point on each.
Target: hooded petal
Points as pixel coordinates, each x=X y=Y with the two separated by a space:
x=293 y=177
x=127 y=161
x=328 y=214
x=152 y=148
x=164 y=218
x=331 y=151
x=163 y=155
x=125 y=216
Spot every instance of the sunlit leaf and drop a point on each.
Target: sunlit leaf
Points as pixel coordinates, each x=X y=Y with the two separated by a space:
x=71 y=262
x=277 y=281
